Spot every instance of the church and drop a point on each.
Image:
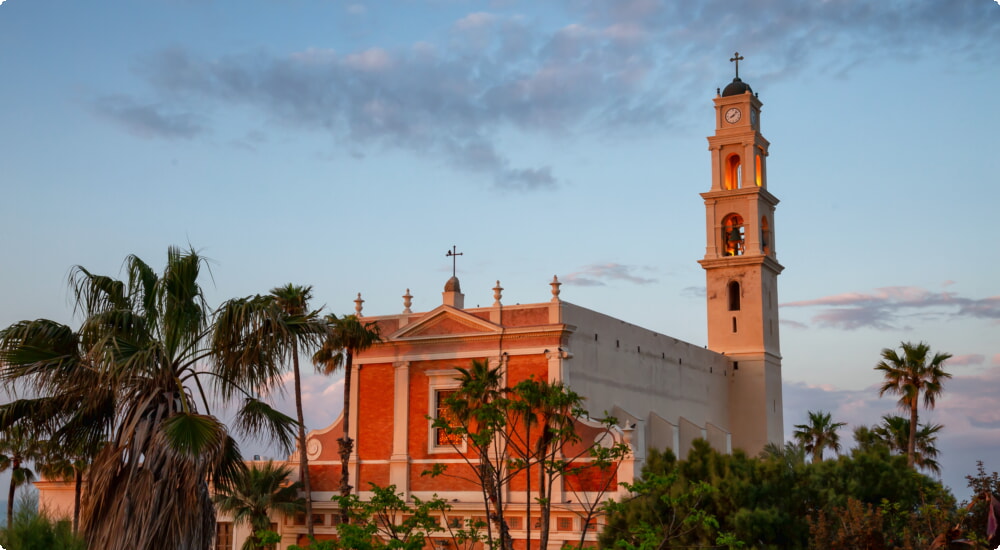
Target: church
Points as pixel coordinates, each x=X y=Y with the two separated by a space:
x=664 y=393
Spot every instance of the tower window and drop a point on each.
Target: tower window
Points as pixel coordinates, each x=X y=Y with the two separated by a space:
x=734 y=173
x=734 y=324
x=765 y=236
x=734 y=296
x=733 y=235
x=759 y=167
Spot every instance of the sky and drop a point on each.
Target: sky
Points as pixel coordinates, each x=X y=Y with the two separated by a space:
x=348 y=145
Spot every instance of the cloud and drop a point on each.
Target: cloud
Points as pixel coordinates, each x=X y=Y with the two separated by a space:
x=968 y=359
x=598 y=274
x=148 y=120
x=883 y=308
x=609 y=69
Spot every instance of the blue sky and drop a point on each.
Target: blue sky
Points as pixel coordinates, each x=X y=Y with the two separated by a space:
x=348 y=145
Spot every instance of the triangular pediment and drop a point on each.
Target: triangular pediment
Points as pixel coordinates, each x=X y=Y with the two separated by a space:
x=446 y=321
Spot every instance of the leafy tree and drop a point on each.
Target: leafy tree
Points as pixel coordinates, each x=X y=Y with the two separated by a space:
x=770 y=502
x=34 y=529
x=257 y=491
x=819 y=434
x=984 y=486
x=279 y=324
x=18 y=446
x=346 y=337
x=134 y=374
x=910 y=374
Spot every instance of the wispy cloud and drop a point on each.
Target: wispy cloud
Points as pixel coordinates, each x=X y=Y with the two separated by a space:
x=148 y=120
x=613 y=68
x=885 y=308
x=600 y=274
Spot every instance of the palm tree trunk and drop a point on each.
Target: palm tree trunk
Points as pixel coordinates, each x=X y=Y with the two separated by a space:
x=77 y=490
x=15 y=465
x=912 y=443
x=346 y=445
x=303 y=460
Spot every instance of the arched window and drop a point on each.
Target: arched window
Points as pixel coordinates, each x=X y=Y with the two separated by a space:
x=733 y=235
x=760 y=169
x=765 y=236
x=734 y=296
x=734 y=174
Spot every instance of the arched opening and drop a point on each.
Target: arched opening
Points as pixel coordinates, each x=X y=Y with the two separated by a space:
x=760 y=169
x=733 y=235
x=734 y=173
x=765 y=236
x=734 y=296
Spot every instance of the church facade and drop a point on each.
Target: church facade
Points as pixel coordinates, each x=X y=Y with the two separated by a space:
x=665 y=393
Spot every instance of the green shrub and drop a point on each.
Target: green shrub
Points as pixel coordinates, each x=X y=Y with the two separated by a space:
x=34 y=530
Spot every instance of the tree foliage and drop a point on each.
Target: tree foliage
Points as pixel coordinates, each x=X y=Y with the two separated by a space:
x=254 y=494
x=137 y=374
x=770 y=502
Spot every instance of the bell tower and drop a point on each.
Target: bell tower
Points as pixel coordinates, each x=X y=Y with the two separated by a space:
x=741 y=268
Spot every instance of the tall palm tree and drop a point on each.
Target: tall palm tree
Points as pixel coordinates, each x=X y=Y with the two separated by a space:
x=281 y=324
x=66 y=464
x=819 y=434
x=895 y=433
x=259 y=490
x=910 y=374
x=136 y=373
x=18 y=446
x=347 y=336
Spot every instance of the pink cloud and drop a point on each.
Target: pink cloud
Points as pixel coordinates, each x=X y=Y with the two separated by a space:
x=968 y=359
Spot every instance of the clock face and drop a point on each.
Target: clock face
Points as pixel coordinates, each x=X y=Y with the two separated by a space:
x=733 y=115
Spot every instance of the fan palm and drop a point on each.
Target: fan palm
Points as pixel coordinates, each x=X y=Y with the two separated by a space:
x=280 y=324
x=18 y=447
x=911 y=374
x=895 y=433
x=819 y=435
x=252 y=495
x=135 y=373
x=346 y=337
x=68 y=464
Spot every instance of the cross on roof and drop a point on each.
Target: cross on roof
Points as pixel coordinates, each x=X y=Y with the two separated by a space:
x=737 y=58
x=453 y=254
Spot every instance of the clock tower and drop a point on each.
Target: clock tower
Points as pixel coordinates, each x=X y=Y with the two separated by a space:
x=741 y=268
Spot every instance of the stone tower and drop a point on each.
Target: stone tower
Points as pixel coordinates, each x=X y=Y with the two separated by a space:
x=741 y=268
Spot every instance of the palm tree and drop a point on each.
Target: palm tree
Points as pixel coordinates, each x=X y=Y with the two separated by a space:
x=347 y=336
x=65 y=464
x=894 y=432
x=818 y=435
x=135 y=373
x=281 y=324
x=259 y=490
x=18 y=447
x=909 y=375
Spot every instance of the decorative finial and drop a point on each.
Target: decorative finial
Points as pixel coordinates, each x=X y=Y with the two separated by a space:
x=496 y=294
x=555 y=284
x=407 y=302
x=357 y=305
x=737 y=58
x=453 y=254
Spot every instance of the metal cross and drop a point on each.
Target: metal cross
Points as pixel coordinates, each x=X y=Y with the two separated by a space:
x=737 y=58
x=453 y=254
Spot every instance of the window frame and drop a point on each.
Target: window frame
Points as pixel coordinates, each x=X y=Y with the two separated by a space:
x=438 y=382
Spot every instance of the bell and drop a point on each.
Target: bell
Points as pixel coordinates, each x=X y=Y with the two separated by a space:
x=735 y=236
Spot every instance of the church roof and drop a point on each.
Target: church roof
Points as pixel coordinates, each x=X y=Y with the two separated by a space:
x=736 y=87
x=452 y=285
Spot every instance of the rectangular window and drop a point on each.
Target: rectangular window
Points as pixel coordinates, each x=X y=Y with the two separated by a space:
x=319 y=519
x=514 y=523
x=441 y=437
x=223 y=536
x=564 y=523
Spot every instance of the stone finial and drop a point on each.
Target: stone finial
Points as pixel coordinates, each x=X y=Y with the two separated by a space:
x=555 y=284
x=407 y=302
x=357 y=305
x=497 y=290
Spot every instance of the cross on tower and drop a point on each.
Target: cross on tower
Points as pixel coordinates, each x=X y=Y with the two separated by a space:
x=453 y=254
x=737 y=58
